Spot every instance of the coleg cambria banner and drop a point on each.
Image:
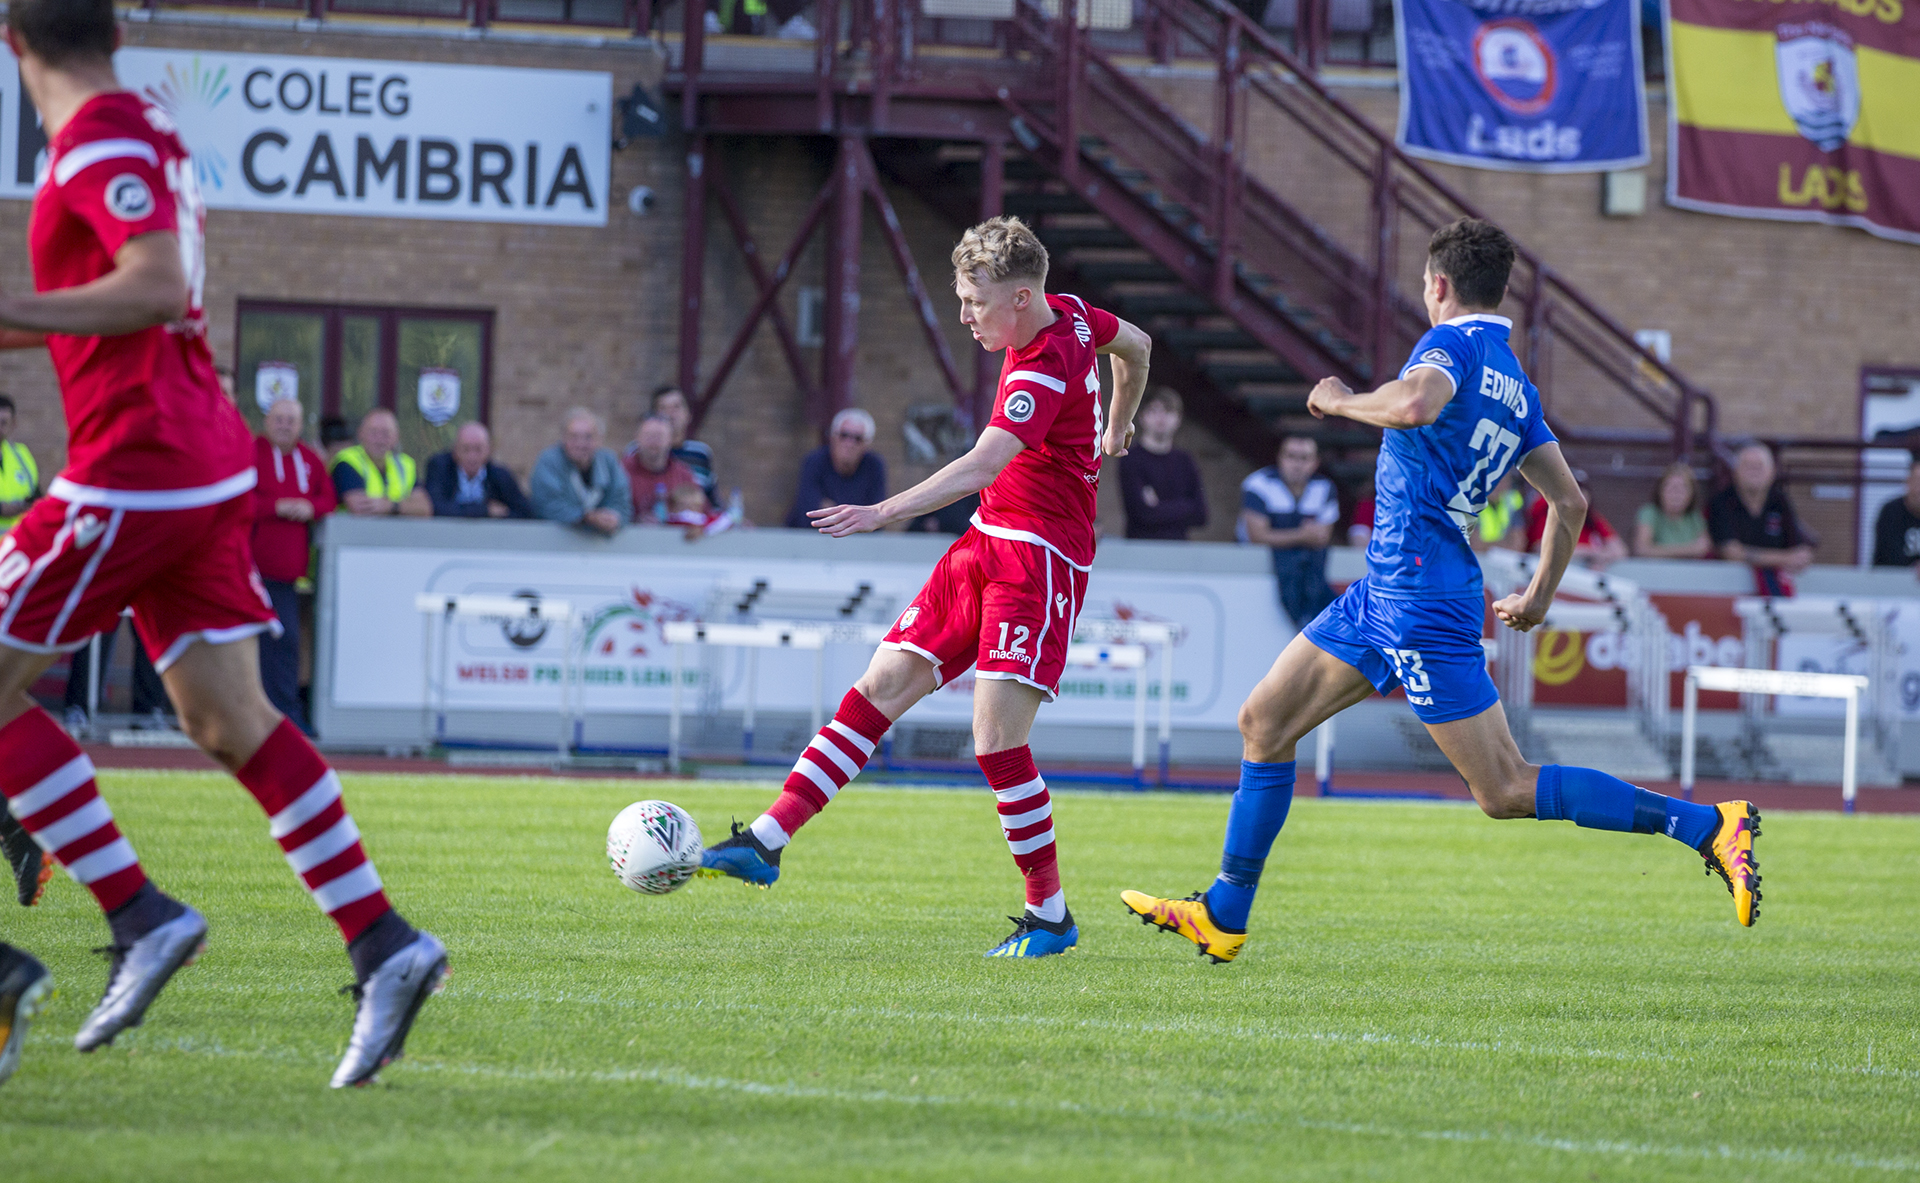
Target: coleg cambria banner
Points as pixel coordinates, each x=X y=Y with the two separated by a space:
x=1800 y=110
x=362 y=137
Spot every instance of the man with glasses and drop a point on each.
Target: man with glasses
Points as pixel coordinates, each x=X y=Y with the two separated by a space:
x=843 y=471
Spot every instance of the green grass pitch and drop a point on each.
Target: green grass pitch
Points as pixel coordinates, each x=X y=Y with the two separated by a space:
x=1427 y=995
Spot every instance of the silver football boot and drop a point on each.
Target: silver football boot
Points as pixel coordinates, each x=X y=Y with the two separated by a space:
x=387 y=1002
x=138 y=974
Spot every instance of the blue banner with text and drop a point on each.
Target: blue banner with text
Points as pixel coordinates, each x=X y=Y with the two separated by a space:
x=1529 y=85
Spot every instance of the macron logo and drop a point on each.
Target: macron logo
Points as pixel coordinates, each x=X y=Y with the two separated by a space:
x=1504 y=388
x=1438 y=357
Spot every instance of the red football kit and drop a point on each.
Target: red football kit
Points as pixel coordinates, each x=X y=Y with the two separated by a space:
x=1005 y=597
x=152 y=509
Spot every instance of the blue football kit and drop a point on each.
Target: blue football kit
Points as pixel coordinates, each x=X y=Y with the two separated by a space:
x=1415 y=620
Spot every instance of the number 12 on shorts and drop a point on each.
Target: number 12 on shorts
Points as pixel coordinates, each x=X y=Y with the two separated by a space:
x=1020 y=634
x=1408 y=668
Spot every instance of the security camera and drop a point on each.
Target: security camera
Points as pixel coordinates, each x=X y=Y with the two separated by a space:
x=640 y=200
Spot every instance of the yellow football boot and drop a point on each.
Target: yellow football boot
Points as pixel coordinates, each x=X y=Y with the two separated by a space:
x=1191 y=919
x=1730 y=854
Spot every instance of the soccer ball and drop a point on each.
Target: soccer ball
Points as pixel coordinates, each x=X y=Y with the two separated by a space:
x=654 y=847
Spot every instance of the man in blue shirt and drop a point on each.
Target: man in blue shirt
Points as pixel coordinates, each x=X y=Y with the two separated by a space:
x=1458 y=418
x=843 y=471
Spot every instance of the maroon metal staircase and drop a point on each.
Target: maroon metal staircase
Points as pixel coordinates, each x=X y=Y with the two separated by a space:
x=1257 y=272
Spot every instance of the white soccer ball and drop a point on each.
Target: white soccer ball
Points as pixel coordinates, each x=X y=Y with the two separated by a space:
x=654 y=847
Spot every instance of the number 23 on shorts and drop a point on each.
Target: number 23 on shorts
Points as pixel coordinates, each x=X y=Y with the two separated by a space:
x=1408 y=667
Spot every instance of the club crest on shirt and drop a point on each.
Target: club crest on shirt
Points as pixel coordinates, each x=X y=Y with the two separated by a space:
x=1438 y=357
x=1019 y=407
x=908 y=617
x=128 y=198
x=86 y=530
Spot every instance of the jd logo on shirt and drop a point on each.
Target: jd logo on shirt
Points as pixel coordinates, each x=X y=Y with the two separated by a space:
x=128 y=198
x=1019 y=406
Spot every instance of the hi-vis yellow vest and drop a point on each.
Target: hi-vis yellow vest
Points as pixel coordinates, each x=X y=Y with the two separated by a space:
x=19 y=478
x=392 y=484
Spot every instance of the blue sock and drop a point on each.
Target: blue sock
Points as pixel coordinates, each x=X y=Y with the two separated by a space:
x=1588 y=797
x=1259 y=810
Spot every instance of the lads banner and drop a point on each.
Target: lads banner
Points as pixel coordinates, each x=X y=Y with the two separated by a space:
x=1798 y=111
x=1527 y=85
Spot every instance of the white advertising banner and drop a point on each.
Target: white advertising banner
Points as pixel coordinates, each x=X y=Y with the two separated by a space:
x=1232 y=629
x=363 y=137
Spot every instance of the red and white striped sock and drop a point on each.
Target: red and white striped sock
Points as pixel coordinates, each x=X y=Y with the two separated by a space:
x=835 y=757
x=1026 y=817
x=48 y=783
x=302 y=798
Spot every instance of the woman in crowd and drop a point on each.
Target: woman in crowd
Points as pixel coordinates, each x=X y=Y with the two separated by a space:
x=1671 y=526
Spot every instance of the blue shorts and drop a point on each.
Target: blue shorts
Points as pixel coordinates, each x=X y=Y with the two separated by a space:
x=1429 y=647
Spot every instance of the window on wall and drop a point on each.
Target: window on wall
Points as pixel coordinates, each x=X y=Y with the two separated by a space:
x=432 y=367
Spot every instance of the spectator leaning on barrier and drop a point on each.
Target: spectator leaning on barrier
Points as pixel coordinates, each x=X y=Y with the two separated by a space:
x=579 y=482
x=1599 y=545
x=291 y=490
x=1160 y=484
x=843 y=471
x=1671 y=526
x=374 y=478
x=660 y=480
x=1896 y=532
x=671 y=404
x=1752 y=522
x=1289 y=509
x=464 y=482
x=19 y=472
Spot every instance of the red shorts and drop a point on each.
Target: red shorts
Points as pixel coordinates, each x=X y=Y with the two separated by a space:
x=66 y=571
x=1008 y=607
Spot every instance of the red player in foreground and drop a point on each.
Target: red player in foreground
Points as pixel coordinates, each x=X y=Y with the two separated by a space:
x=153 y=511
x=1004 y=598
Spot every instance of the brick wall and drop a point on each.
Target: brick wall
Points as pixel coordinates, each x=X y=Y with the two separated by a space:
x=1776 y=320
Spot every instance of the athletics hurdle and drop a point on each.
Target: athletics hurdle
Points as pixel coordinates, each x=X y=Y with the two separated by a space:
x=508 y=612
x=1139 y=634
x=767 y=634
x=1770 y=682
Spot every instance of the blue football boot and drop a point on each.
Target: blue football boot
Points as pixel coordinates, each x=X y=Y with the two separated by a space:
x=743 y=857
x=1034 y=937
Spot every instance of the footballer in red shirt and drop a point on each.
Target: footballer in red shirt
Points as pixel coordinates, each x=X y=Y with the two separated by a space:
x=153 y=512
x=1003 y=600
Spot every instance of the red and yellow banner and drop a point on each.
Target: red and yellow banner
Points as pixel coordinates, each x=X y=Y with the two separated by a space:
x=1803 y=110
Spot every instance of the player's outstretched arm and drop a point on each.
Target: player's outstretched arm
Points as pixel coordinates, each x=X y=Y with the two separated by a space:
x=1413 y=401
x=1130 y=349
x=146 y=287
x=1546 y=470
x=971 y=473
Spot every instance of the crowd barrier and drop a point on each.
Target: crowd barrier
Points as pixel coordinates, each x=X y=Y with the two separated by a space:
x=388 y=674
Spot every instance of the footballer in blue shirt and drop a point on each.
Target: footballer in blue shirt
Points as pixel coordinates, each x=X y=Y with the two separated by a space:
x=1460 y=416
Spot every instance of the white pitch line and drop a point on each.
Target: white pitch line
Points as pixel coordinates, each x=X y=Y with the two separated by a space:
x=1182 y=1026
x=695 y=1082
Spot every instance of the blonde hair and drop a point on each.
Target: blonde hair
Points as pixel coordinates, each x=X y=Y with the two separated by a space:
x=1000 y=249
